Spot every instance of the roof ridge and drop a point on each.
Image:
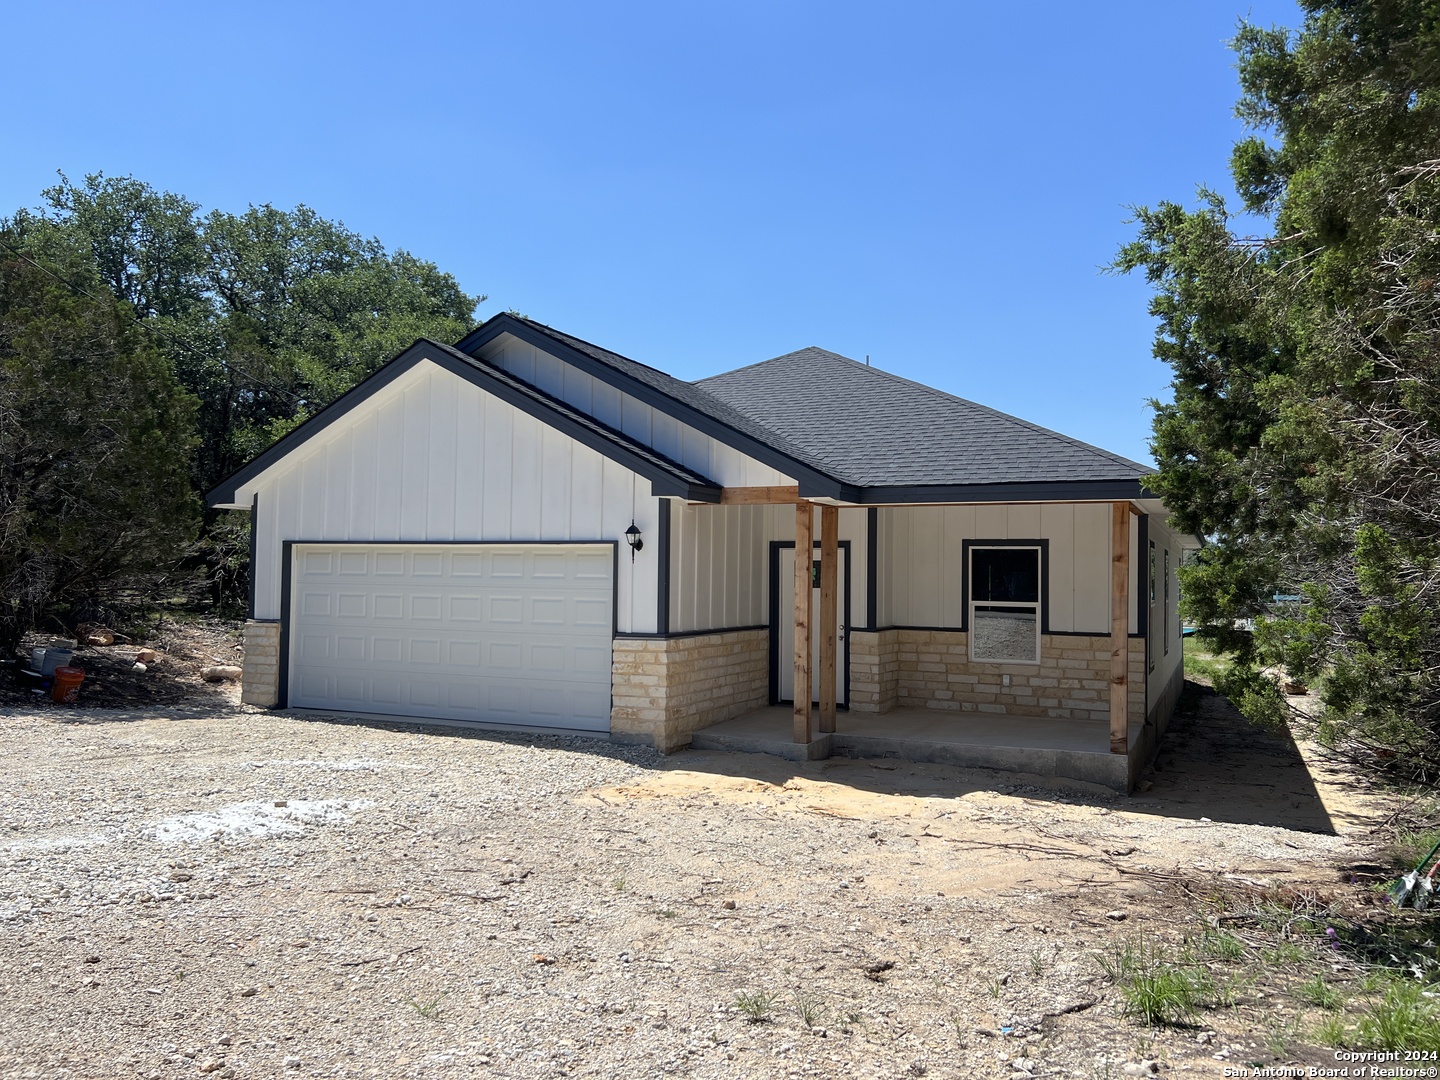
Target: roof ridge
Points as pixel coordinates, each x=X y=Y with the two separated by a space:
x=782 y=356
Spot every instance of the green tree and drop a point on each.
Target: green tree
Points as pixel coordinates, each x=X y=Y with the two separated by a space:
x=94 y=437
x=1304 y=435
x=264 y=317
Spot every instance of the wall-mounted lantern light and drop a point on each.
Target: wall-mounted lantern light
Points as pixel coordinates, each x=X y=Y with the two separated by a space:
x=632 y=537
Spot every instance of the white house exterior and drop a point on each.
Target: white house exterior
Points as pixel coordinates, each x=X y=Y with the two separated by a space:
x=448 y=541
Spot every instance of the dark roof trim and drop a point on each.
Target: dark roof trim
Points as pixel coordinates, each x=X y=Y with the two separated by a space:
x=666 y=478
x=813 y=482
x=1045 y=491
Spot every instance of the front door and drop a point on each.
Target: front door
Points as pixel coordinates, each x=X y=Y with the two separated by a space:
x=784 y=633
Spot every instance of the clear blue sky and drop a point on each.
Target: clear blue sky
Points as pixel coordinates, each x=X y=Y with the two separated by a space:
x=696 y=186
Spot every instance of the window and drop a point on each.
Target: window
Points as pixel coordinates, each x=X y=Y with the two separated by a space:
x=1005 y=604
x=1167 y=601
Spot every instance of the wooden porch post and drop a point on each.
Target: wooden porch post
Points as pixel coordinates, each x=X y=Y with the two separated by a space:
x=829 y=568
x=804 y=554
x=1119 y=628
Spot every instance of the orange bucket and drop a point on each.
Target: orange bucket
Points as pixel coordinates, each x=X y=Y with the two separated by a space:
x=66 y=688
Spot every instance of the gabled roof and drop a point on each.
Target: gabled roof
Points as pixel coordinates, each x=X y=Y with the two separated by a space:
x=876 y=430
x=685 y=401
x=844 y=430
x=667 y=477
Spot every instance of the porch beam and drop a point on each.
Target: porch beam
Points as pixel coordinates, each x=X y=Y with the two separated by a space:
x=759 y=496
x=829 y=569
x=804 y=554
x=1120 y=628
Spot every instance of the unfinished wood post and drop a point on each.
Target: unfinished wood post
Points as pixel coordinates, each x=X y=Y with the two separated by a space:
x=1120 y=628
x=829 y=569
x=804 y=553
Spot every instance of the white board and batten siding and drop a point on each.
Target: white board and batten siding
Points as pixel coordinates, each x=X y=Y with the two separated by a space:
x=679 y=442
x=720 y=563
x=922 y=561
x=1166 y=643
x=432 y=458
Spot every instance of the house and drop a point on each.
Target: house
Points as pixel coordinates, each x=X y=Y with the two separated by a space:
x=526 y=529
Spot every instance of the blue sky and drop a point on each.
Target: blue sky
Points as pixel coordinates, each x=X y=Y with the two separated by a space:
x=699 y=187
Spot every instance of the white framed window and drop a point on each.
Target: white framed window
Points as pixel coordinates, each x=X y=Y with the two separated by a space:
x=1004 y=604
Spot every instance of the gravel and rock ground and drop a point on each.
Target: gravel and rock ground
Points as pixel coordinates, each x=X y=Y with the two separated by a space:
x=232 y=893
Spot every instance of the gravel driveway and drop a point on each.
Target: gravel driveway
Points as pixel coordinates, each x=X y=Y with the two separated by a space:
x=259 y=895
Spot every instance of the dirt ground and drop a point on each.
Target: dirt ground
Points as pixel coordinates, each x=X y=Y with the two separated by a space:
x=184 y=648
x=233 y=893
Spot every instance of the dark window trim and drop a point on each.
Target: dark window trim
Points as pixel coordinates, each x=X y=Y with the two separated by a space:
x=775 y=548
x=1044 y=604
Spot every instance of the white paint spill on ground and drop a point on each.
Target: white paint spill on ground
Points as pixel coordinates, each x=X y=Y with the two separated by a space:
x=342 y=765
x=257 y=820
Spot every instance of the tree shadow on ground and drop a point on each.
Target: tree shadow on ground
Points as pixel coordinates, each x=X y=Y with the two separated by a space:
x=1212 y=764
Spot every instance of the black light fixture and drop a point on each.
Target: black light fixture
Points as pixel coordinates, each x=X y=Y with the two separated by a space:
x=632 y=537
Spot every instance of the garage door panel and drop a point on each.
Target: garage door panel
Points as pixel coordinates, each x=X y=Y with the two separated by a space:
x=355 y=562
x=507 y=566
x=592 y=613
x=389 y=564
x=467 y=608
x=502 y=634
x=547 y=610
x=318 y=563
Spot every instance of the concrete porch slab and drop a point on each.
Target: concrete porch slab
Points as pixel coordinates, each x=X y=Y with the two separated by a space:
x=1065 y=749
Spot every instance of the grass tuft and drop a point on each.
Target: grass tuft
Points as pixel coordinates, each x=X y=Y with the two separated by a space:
x=1406 y=1017
x=755 y=1005
x=1319 y=992
x=1157 y=989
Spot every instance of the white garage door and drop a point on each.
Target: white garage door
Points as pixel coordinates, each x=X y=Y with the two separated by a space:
x=511 y=634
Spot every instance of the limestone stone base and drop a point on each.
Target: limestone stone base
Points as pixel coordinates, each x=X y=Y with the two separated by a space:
x=932 y=669
x=663 y=690
x=260 y=679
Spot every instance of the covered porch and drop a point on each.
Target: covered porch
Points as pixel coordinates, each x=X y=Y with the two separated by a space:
x=1054 y=742
x=1076 y=750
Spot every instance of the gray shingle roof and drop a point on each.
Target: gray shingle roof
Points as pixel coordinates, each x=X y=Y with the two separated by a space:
x=871 y=428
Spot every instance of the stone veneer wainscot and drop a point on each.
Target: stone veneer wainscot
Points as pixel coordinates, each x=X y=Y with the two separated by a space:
x=260 y=679
x=932 y=669
x=665 y=689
